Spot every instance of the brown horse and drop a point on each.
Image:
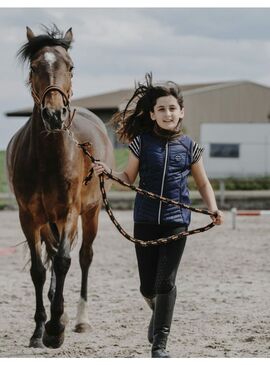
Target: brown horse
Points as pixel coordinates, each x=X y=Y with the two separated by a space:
x=46 y=171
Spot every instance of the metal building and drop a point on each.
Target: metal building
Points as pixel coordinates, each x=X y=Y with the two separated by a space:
x=234 y=102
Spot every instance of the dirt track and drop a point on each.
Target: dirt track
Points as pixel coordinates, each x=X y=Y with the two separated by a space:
x=222 y=308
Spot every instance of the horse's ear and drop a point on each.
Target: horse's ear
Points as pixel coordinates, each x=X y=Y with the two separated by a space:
x=69 y=36
x=29 y=33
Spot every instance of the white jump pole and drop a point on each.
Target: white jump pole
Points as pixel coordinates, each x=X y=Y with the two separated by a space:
x=246 y=213
x=234 y=210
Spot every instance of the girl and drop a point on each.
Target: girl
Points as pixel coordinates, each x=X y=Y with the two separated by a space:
x=163 y=156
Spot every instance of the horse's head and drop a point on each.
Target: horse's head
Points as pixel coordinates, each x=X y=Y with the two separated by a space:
x=50 y=75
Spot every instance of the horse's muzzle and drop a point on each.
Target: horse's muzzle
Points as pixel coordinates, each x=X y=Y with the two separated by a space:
x=54 y=119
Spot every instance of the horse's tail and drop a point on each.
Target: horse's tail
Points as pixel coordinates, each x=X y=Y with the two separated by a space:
x=47 y=252
x=49 y=236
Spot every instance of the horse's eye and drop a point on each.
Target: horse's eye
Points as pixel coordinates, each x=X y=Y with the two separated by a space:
x=71 y=68
x=33 y=69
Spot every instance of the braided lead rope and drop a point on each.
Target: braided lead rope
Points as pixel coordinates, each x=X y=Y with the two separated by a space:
x=146 y=193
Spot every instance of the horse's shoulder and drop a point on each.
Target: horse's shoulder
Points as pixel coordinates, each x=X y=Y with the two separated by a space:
x=89 y=115
x=86 y=121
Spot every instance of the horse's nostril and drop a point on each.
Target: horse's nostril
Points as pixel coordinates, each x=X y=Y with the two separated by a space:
x=64 y=112
x=45 y=114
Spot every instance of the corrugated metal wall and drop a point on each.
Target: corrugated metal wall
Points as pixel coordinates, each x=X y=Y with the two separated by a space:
x=243 y=102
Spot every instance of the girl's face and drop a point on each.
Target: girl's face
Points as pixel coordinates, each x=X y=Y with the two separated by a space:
x=167 y=112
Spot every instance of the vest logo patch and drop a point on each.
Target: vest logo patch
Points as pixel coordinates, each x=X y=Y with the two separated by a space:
x=178 y=158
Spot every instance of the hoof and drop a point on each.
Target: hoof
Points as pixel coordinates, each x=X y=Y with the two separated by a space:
x=82 y=327
x=36 y=343
x=53 y=341
x=54 y=335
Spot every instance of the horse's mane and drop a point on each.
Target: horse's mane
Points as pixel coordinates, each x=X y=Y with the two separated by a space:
x=53 y=37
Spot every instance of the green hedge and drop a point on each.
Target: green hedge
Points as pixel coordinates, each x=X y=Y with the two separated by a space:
x=262 y=183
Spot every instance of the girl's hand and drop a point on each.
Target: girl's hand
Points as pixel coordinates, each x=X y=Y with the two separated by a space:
x=218 y=219
x=100 y=167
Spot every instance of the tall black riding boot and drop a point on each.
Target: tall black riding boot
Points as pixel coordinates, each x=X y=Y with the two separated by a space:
x=151 y=303
x=163 y=314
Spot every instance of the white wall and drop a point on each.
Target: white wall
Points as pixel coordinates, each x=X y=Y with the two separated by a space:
x=254 y=156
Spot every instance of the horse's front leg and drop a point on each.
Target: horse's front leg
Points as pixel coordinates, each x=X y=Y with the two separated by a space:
x=54 y=329
x=50 y=235
x=38 y=275
x=89 y=228
x=51 y=293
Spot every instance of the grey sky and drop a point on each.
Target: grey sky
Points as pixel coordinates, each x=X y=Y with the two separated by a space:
x=113 y=47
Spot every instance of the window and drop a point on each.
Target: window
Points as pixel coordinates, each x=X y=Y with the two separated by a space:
x=224 y=150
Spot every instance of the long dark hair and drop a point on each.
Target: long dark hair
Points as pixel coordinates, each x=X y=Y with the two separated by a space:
x=135 y=118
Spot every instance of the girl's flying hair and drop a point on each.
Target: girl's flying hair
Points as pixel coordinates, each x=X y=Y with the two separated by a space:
x=135 y=118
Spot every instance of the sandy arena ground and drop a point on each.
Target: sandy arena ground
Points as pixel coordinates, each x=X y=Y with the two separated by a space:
x=222 y=308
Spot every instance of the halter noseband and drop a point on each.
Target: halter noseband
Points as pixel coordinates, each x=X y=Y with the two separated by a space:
x=55 y=88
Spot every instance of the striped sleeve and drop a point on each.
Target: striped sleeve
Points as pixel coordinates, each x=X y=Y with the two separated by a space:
x=135 y=146
x=197 y=152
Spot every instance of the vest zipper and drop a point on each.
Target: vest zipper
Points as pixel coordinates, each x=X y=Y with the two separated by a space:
x=163 y=179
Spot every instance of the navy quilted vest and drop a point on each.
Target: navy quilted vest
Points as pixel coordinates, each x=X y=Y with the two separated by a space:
x=163 y=169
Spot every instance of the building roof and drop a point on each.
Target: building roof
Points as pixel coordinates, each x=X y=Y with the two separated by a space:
x=113 y=100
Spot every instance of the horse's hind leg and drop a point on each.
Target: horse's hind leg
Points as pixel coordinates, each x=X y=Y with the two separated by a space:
x=52 y=284
x=38 y=274
x=89 y=227
x=52 y=243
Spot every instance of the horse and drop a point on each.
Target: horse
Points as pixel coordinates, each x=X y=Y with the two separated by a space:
x=46 y=171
